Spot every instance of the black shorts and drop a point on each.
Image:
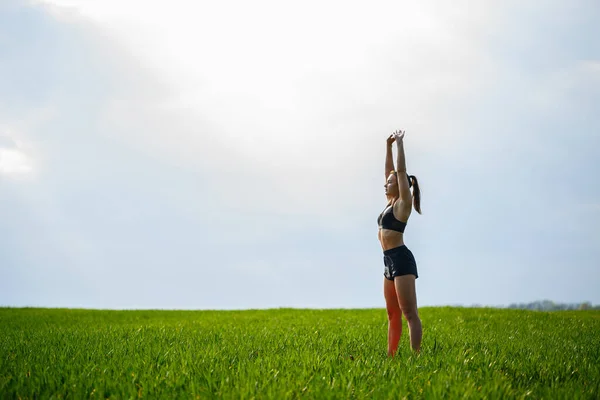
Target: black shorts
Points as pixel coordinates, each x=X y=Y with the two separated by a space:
x=399 y=261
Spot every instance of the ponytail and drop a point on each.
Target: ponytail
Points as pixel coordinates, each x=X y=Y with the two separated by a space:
x=412 y=181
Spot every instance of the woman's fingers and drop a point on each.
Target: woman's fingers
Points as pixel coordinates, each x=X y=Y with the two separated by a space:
x=399 y=134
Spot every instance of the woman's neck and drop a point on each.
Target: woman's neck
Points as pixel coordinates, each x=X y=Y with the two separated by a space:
x=391 y=199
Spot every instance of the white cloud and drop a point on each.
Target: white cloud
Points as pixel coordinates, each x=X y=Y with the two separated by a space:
x=19 y=152
x=14 y=163
x=293 y=102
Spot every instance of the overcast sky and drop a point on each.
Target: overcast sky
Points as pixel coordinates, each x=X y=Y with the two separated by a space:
x=230 y=154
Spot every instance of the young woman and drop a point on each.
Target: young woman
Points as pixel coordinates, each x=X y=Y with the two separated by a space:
x=400 y=266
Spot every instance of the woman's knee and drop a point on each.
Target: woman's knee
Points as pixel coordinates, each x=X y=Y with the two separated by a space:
x=410 y=313
x=394 y=313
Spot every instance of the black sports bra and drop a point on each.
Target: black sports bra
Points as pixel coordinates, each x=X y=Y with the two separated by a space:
x=387 y=220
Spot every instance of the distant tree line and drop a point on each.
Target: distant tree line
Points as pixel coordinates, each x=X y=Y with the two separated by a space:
x=547 y=305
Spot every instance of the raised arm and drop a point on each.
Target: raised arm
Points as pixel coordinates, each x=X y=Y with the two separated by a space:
x=403 y=187
x=389 y=158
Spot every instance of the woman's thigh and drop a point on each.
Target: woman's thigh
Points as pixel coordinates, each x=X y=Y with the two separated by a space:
x=406 y=292
x=391 y=298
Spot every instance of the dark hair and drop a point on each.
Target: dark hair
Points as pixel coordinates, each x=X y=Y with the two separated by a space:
x=412 y=181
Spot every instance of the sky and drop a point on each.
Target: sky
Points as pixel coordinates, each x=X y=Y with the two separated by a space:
x=230 y=155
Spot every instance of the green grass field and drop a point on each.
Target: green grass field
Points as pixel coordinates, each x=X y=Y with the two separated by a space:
x=289 y=354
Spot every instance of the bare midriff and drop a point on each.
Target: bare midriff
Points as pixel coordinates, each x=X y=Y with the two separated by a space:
x=390 y=239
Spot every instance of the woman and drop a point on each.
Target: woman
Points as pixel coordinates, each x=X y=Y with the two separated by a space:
x=400 y=265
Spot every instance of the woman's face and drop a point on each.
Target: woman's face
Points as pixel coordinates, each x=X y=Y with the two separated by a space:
x=391 y=185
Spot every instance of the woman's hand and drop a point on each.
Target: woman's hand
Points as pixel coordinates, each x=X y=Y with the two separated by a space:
x=390 y=140
x=398 y=135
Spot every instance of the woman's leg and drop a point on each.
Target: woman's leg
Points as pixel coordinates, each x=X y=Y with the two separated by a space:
x=394 y=316
x=407 y=298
